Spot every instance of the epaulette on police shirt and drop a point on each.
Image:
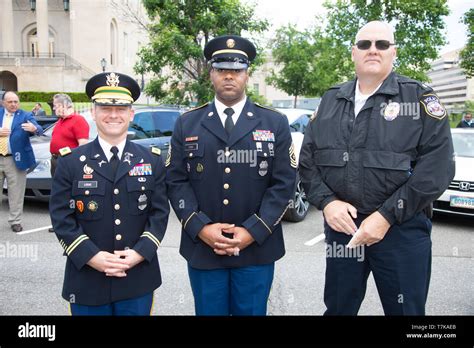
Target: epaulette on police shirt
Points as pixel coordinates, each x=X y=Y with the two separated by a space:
x=271 y=109
x=156 y=151
x=65 y=151
x=196 y=108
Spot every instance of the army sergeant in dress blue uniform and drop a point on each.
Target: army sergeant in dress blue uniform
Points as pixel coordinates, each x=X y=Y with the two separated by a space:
x=109 y=209
x=230 y=176
x=377 y=154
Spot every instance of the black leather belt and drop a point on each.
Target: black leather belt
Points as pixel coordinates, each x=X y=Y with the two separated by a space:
x=7 y=155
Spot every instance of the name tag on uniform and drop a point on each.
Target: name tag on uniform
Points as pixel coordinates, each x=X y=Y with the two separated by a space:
x=263 y=135
x=141 y=169
x=87 y=184
x=191 y=147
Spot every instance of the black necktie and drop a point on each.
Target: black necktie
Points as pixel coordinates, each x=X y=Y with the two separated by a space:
x=229 y=123
x=114 y=161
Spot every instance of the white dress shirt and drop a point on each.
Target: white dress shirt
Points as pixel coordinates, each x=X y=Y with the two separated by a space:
x=220 y=107
x=106 y=148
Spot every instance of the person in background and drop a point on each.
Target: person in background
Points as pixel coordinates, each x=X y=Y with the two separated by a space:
x=38 y=110
x=16 y=153
x=466 y=122
x=71 y=130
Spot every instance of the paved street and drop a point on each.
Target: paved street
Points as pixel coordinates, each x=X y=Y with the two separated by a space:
x=30 y=284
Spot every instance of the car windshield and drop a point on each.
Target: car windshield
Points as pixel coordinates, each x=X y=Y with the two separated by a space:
x=463 y=144
x=146 y=124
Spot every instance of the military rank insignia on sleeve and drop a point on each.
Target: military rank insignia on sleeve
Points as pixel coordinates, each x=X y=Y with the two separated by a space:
x=168 y=157
x=293 y=156
x=433 y=106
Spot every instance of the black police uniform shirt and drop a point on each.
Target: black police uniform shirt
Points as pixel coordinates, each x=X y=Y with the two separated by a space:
x=92 y=211
x=210 y=180
x=395 y=157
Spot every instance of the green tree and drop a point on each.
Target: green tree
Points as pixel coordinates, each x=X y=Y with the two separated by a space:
x=293 y=52
x=178 y=34
x=467 y=54
x=418 y=27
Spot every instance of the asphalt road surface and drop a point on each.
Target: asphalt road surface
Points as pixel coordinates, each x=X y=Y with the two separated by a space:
x=32 y=265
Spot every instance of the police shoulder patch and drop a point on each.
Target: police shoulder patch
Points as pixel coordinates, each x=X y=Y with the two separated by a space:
x=65 y=151
x=433 y=106
x=156 y=150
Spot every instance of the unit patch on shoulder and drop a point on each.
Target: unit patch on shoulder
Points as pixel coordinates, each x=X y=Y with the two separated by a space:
x=433 y=106
x=65 y=151
x=156 y=150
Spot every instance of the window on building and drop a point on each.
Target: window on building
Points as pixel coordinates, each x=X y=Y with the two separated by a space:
x=256 y=88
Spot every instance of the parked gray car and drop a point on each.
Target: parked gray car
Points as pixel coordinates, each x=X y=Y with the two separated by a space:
x=150 y=127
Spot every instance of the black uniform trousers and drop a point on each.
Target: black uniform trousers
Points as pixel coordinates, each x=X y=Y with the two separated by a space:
x=400 y=263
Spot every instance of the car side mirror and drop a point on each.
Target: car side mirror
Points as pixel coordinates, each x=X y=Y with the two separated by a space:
x=131 y=135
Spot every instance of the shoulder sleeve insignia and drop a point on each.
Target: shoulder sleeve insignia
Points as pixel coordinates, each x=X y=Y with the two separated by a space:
x=433 y=106
x=168 y=157
x=293 y=156
x=156 y=150
x=65 y=151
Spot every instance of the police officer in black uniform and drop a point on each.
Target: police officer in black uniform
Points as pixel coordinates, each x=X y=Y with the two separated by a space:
x=109 y=209
x=230 y=177
x=375 y=157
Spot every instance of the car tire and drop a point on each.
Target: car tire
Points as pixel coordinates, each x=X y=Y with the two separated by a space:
x=299 y=209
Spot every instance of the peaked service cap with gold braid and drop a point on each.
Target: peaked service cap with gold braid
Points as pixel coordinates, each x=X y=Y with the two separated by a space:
x=112 y=88
x=230 y=52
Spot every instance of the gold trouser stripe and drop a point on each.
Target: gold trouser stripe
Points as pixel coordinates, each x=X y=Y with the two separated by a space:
x=74 y=244
x=263 y=222
x=151 y=237
x=152 y=302
x=189 y=218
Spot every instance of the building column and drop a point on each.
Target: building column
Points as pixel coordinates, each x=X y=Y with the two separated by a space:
x=7 y=26
x=42 y=27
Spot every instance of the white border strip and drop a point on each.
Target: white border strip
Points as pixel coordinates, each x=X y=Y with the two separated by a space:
x=315 y=240
x=35 y=230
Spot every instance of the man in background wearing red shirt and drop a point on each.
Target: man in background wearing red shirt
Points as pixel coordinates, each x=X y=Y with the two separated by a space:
x=71 y=131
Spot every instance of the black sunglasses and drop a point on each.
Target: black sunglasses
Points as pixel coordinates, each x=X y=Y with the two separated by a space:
x=379 y=44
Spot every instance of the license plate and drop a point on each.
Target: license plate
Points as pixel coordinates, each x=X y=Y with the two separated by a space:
x=461 y=202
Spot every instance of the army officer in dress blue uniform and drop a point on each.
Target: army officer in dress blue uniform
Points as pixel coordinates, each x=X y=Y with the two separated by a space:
x=230 y=177
x=109 y=209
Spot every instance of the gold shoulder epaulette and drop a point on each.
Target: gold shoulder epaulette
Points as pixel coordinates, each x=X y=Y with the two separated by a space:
x=196 y=108
x=65 y=151
x=156 y=150
x=269 y=108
